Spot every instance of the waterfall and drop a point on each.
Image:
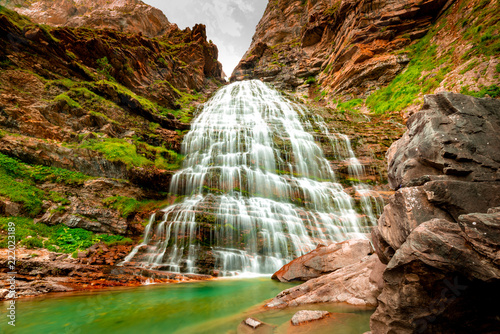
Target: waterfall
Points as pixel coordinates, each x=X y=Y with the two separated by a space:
x=255 y=189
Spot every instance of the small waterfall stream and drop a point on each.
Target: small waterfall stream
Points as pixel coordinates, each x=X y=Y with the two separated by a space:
x=255 y=190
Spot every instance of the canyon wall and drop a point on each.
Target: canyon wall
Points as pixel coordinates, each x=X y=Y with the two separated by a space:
x=100 y=100
x=439 y=233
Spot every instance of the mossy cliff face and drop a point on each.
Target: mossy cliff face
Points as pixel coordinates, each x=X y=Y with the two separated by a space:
x=388 y=54
x=91 y=119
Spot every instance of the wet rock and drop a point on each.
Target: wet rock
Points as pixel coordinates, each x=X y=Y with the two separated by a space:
x=302 y=317
x=254 y=326
x=324 y=260
x=355 y=284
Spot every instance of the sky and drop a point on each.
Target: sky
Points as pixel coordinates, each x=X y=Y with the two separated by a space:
x=230 y=23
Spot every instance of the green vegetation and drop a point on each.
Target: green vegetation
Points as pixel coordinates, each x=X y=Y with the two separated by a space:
x=492 y=91
x=349 y=106
x=58 y=238
x=69 y=101
x=125 y=205
x=427 y=69
x=104 y=69
x=17 y=182
x=134 y=153
x=420 y=77
x=310 y=80
x=332 y=9
x=115 y=149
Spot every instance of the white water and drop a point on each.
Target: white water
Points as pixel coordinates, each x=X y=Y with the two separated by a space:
x=255 y=190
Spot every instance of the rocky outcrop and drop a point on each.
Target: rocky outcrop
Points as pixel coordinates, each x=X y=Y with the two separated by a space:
x=439 y=234
x=132 y=16
x=40 y=272
x=358 y=283
x=324 y=260
x=344 y=272
x=304 y=316
x=344 y=45
x=110 y=103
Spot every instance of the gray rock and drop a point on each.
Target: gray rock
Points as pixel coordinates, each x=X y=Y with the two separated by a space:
x=454 y=135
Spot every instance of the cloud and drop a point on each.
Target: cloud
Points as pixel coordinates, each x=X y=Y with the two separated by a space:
x=230 y=23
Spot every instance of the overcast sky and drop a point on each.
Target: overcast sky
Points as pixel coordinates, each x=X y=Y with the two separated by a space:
x=230 y=23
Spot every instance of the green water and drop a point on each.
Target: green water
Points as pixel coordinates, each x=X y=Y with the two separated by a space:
x=202 y=307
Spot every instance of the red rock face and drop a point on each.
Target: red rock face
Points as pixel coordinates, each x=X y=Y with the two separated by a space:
x=131 y=16
x=348 y=46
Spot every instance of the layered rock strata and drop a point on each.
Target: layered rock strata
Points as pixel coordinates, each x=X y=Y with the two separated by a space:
x=346 y=46
x=346 y=272
x=440 y=232
x=133 y=16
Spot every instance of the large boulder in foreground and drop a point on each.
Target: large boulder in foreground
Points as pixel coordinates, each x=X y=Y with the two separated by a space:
x=438 y=282
x=356 y=284
x=440 y=232
x=324 y=260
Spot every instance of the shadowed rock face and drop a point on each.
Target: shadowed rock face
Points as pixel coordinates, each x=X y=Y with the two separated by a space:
x=440 y=232
x=348 y=45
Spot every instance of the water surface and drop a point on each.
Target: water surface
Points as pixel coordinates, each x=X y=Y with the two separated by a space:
x=201 y=307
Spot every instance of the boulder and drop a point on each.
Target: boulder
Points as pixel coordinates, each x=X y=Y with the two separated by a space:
x=440 y=232
x=436 y=276
x=356 y=284
x=324 y=260
x=304 y=316
x=254 y=326
x=453 y=137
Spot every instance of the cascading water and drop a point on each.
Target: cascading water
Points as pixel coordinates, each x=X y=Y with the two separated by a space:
x=255 y=190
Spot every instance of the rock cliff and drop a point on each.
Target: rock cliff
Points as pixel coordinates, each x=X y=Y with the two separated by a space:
x=132 y=16
x=348 y=45
x=439 y=233
x=92 y=114
x=381 y=56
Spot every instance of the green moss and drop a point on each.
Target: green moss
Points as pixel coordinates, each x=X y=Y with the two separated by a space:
x=17 y=182
x=125 y=205
x=19 y=20
x=115 y=149
x=310 y=80
x=69 y=101
x=55 y=238
x=350 y=105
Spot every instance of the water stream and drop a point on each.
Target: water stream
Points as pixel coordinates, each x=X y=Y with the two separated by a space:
x=255 y=189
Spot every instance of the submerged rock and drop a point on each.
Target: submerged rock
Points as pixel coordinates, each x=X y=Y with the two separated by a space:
x=306 y=316
x=254 y=326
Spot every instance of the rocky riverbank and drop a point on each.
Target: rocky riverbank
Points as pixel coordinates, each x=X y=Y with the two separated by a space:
x=40 y=272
